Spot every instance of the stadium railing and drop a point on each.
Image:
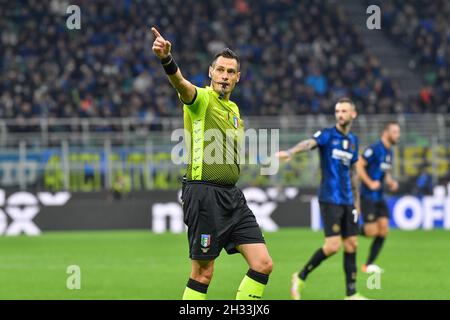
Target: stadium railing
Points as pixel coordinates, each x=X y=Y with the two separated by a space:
x=90 y=154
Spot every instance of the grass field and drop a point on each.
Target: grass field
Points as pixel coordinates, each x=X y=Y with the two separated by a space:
x=142 y=265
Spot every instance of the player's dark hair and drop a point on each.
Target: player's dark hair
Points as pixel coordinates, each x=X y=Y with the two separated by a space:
x=227 y=53
x=388 y=124
x=347 y=100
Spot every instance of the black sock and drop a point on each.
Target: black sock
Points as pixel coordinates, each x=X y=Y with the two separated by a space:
x=197 y=286
x=350 y=272
x=258 y=276
x=375 y=249
x=315 y=260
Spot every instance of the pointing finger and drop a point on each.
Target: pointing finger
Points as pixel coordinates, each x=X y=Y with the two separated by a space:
x=156 y=33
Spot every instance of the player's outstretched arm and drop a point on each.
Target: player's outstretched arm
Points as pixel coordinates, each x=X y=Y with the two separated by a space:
x=302 y=146
x=161 y=48
x=364 y=176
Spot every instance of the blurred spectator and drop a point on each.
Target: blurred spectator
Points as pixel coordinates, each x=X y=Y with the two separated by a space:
x=424 y=182
x=121 y=186
x=297 y=57
x=424 y=28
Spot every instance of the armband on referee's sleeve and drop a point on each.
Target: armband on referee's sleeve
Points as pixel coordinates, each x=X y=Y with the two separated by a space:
x=169 y=65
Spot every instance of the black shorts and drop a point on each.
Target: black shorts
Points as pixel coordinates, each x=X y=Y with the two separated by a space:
x=372 y=210
x=217 y=217
x=338 y=220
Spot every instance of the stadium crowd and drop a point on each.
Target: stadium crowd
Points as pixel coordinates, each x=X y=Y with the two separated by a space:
x=424 y=28
x=297 y=58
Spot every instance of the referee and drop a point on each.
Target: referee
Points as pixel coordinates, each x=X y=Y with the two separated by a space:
x=214 y=209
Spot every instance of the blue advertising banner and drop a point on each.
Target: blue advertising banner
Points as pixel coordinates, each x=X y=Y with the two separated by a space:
x=411 y=213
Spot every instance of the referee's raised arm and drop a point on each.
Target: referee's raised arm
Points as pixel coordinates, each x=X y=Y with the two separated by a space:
x=161 y=48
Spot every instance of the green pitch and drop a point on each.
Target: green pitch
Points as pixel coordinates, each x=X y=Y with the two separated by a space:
x=142 y=265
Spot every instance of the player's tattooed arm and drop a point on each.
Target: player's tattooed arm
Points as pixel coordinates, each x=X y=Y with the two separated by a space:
x=302 y=146
x=355 y=187
x=161 y=48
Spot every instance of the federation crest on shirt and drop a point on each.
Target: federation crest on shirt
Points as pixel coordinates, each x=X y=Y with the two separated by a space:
x=345 y=144
x=236 y=122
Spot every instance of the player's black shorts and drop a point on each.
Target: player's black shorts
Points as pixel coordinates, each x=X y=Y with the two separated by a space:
x=372 y=210
x=217 y=217
x=338 y=220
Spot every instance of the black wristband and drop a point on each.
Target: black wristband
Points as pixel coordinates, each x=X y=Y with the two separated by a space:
x=166 y=59
x=169 y=65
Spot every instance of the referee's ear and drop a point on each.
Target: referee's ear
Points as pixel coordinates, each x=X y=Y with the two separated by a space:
x=209 y=72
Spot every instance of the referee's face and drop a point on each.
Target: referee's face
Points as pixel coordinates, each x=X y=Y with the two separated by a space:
x=224 y=75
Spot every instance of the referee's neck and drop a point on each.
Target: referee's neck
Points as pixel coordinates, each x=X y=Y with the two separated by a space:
x=224 y=96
